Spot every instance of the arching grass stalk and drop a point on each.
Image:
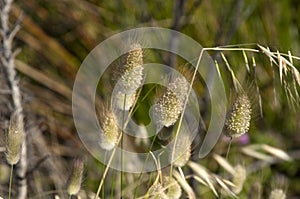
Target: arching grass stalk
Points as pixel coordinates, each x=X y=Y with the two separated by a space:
x=184 y=107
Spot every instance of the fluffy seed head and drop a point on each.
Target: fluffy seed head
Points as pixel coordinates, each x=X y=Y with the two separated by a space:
x=156 y=191
x=168 y=109
x=14 y=141
x=174 y=190
x=132 y=71
x=76 y=177
x=239 y=178
x=180 y=154
x=277 y=194
x=110 y=131
x=238 y=122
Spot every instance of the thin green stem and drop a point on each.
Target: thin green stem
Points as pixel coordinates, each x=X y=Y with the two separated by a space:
x=228 y=148
x=10 y=180
x=70 y=196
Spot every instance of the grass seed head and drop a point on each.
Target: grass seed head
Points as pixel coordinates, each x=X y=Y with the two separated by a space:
x=156 y=191
x=277 y=194
x=238 y=122
x=14 y=140
x=181 y=153
x=76 y=177
x=110 y=131
x=174 y=190
x=168 y=109
x=239 y=178
x=132 y=71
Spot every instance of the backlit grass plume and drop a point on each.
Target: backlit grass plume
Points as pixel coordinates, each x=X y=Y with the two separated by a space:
x=238 y=121
x=110 y=131
x=132 y=71
x=168 y=109
x=75 y=180
x=14 y=141
x=131 y=77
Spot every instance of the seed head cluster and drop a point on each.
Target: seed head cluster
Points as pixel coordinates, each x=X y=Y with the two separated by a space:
x=132 y=71
x=76 y=177
x=238 y=122
x=14 y=141
x=168 y=109
x=110 y=132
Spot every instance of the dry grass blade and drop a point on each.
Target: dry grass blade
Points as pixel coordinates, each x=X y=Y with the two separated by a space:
x=246 y=61
x=224 y=163
x=203 y=174
x=253 y=153
x=183 y=183
x=236 y=83
x=225 y=187
x=276 y=152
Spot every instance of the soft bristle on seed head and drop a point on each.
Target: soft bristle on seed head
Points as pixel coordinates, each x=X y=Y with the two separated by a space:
x=238 y=122
x=168 y=109
x=110 y=131
x=14 y=141
x=132 y=71
x=277 y=194
x=76 y=177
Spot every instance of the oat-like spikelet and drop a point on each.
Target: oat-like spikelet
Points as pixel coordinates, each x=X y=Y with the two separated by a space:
x=238 y=122
x=75 y=180
x=110 y=131
x=14 y=141
x=239 y=178
x=181 y=153
x=156 y=191
x=129 y=100
x=173 y=188
x=168 y=109
x=132 y=71
x=277 y=194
